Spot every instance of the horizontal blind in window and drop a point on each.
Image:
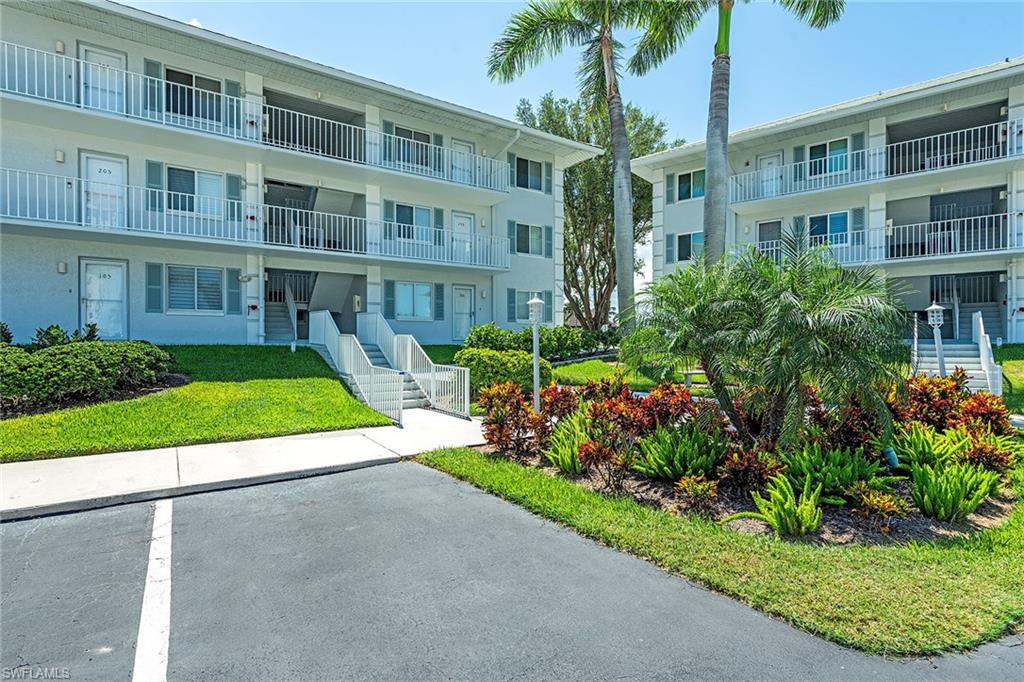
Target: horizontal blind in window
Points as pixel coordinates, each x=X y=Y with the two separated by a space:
x=181 y=288
x=209 y=289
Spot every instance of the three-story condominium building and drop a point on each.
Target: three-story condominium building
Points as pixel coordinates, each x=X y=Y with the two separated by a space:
x=925 y=182
x=172 y=184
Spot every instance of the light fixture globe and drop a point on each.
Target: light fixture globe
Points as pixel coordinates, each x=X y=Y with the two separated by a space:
x=935 y=315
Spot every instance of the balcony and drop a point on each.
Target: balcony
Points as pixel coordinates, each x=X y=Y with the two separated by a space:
x=947 y=150
x=103 y=207
x=85 y=85
x=936 y=239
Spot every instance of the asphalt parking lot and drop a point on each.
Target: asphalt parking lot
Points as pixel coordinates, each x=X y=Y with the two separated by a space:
x=392 y=572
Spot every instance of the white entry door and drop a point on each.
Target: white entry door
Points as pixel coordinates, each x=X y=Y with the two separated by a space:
x=463 y=306
x=769 y=169
x=463 y=164
x=463 y=225
x=104 y=288
x=102 y=79
x=103 y=191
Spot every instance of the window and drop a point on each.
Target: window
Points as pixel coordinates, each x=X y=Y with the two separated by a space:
x=195 y=191
x=192 y=95
x=414 y=300
x=195 y=289
x=529 y=174
x=828 y=157
x=691 y=185
x=530 y=239
x=413 y=146
x=413 y=222
x=523 y=304
x=831 y=228
x=690 y=246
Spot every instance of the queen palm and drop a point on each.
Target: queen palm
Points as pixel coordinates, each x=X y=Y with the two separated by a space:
x=671 y=25
x=543 y=29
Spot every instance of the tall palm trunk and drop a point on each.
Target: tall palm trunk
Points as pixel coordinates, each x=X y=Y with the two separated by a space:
x=716 y=164
x=622 y=184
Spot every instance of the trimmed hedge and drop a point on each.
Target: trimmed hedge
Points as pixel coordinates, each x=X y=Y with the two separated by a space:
x=86 y=370
x=488 y=367
x=556 y=343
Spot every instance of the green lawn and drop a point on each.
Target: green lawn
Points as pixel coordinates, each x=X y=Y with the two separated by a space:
x=918 y=599
x=237 y=393
x=579 y=373
x=442 y=354
x=1011 y=357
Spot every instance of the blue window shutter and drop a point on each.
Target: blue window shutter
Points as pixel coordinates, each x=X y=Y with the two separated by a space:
x=857 y=155
x=511 y=305
x=389 y=219
x=438 y=300
x=512 y=236
x=439 y=226
x=670 y=248
x=389 y=299
x=549 y=306
x=548 y=173
x=153 y=95
x=857 y=218
x=511 y=169
x=439 y=152
x=234 y=289
x=388 y=142
x=154 y=287
x=154 y=186
x=549 y=239
x=234 y=196
x=232 y=107
x=798 y=158
x=798 y=225
x=670 y=188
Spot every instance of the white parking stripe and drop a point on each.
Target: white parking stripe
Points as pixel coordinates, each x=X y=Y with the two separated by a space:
x=155 y=623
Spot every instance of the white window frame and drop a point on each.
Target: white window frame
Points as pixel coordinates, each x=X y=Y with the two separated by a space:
x=195 y=89
x=221 y=200
x=428 y=229
x=429 y=317
x=690 y=173
x=827 y=143
x=413 y=132
x=828 y=227
x=530 y=228
x=679 y=238
x=168 y=310
x=540 y=175
x=529 y=295
x=759 y=223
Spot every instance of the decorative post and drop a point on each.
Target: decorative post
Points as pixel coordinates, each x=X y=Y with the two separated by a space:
x=935 y=312
x=536 y=311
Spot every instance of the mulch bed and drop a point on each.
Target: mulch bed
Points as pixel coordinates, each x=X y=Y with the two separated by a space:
x=839 y=525
x=164 y=381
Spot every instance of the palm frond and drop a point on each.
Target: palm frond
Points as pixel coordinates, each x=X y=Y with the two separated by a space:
x=816 y=13
x=666 y=25
x=541 y=29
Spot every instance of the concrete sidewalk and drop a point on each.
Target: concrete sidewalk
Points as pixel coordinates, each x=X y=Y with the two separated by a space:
x=66 y=484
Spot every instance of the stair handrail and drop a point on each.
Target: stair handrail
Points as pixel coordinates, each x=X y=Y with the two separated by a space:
x=374 y=330
x=993 y=371
x=293 y=311
x=915 y=350
x=446 y=386
x=380 y=387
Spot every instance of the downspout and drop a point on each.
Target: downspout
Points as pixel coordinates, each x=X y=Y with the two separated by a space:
x=263 y=300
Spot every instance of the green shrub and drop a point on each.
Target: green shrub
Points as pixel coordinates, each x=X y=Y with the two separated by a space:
x=564 y=448
x=555 y=342
x=876 y=504
x=55 y=335
x=833 y=470
x=783 y=511
x=87 y=370
x=952 y=491
x=489 y=367
x=687 y=450
x=491 y=337
x=697 y=494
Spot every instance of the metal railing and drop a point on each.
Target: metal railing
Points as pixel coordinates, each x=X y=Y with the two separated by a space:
x=846 y=247
x=949 y=237
x=993 y=371
x=104 y=206
x=78 y=83
x=372 y=329
x=293 y=311
x=379 y=387
x=946 y=150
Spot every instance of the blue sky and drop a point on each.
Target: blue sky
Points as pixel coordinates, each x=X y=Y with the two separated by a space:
x=779 y=66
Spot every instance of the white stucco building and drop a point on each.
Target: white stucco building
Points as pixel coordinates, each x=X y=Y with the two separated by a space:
x=177 y=185
x=925 y=182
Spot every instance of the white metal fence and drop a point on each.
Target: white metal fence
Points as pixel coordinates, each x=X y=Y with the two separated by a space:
x=79 y=83
x=104 y=206
x=380 y=387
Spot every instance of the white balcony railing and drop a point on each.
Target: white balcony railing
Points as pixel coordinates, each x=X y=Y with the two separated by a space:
x=49 y=198
x=959 y=236
x=78 y=83
x=948 y=150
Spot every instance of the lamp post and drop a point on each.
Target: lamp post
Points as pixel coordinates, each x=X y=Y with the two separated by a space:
x=935 y=319
x=536 y=311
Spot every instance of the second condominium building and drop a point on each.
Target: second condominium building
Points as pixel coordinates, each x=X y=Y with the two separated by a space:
x=172 y=184
x=925 y=182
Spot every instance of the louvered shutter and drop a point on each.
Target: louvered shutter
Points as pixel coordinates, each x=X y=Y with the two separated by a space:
x=670 y=248
x=389 y=299
x=548 y=172
x=154 y=186
x=549 y=239
x=512 y=236
x=511 y=307
x=234 y=290
x=154 y=287
x=438 y=301
x=670 y=188
x=154 y=91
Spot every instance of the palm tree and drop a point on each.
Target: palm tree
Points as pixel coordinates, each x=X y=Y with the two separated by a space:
x=543 y=29
x=673 y=23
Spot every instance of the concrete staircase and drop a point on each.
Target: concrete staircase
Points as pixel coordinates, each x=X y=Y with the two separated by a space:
x=412 y=394
x=966 y=355
x=277 y=323
x=991 y=314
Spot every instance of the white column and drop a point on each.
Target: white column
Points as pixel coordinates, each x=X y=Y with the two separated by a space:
x=252 y=117
x=876 y=146
x=253 y=198
x=876 y=227
x=558 y=243
x=658 y=227
x=374 y=289
x=253 y=296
